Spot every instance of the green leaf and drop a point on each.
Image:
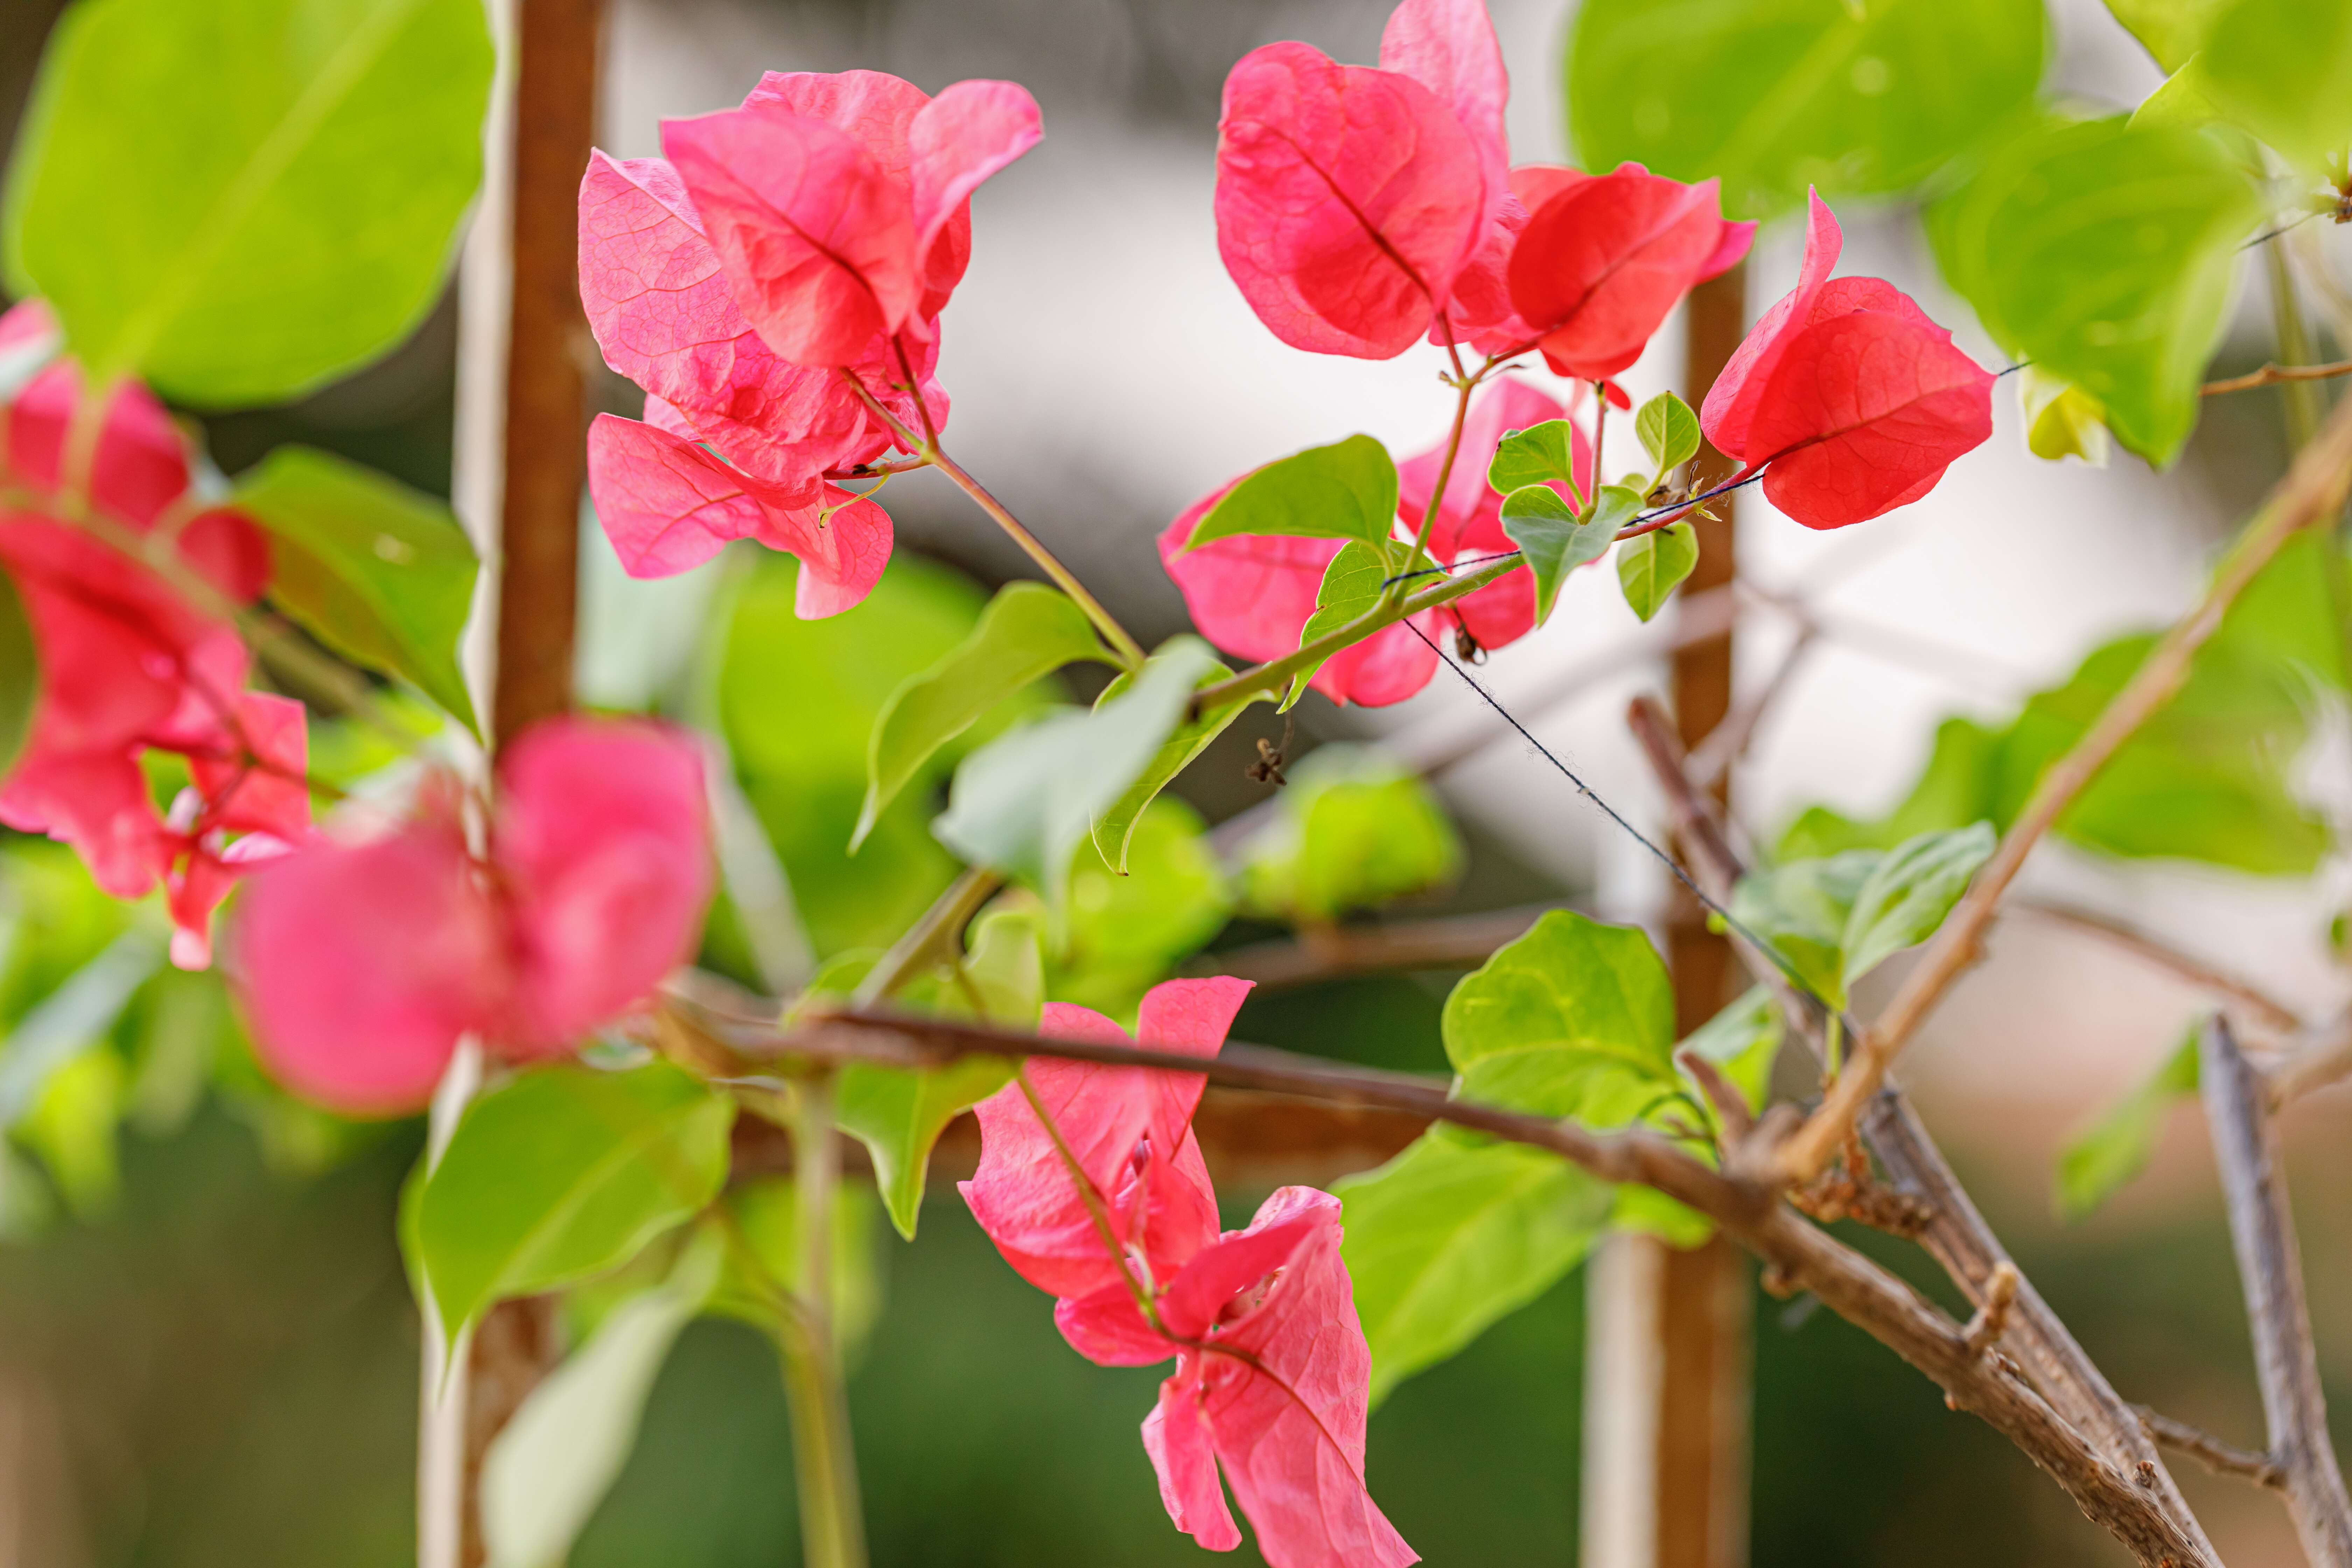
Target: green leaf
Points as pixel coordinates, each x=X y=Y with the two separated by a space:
x=552 y=1463
x=2179 y=100
x=1354 y=829
x=1555 y=540
x=2104 y=253
x=377 y=571
x=2282 y=69
x=2172 y=30
x=1908 y=894
x=1344 y=490
x=1023 y=803
x=72 y=1019
x=1127 y=931
x=1352 y=586
x=20 y=674
x=74 y=1126
x=798 y=703
x=1538 y=454
x=898 y=1113
x=1114 y=829
x=2117 y=1146
x=1777 y=95
x=243 y=199
x=1802 y=908
x=1668 y=431
x=1652 y=566
x=1455 y=1234
x=1028 y=631
x=1575 y=1018
x=562 y=1173
x=1743 y=1041
x=2061 y=420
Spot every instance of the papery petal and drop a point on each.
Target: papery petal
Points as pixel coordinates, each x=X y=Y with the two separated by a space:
x=1289 y=1429
x=603 y=849
x=1231 y=1272
x=958 y=140
x=1502 y=612
x=1863 y=414
x=659 y=304
x=1348 y=199
x=842 y=555
x=873 y=109
x=117 y=645
x=1107 y=1328
x=1603 y=261
x=1480 y=312
x=1176 y=1435
x=141 y=464
x=265 y=791
x=359 y=966
x=230 y=550
x=97 y=802
x=816 y=239
x=1448 y=46
x=1386 y=667
x=1192 y=1016
x=666 y=504
x=196 y=886
x=28 y=324
x=1732 y=402
x=1252 y=593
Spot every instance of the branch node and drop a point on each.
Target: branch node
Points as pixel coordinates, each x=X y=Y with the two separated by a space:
x=2001 y=1290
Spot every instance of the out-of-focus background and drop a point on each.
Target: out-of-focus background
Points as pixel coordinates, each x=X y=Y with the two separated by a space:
x=212 y=1359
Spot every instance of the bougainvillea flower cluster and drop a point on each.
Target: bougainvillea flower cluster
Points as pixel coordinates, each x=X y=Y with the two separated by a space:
x=1853 y=398
x=129 y=663
x=1251 y=595
x=812 y=235
x=1272 y=1368
x=1361 y=207
x=360 y=962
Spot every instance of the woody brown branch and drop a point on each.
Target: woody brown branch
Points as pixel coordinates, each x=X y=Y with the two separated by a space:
x=2198 y=972
x=1800 y=1255
x=2312 y=491
x=1956 y=1234
x=2270 y=1270
x=2210 y=1451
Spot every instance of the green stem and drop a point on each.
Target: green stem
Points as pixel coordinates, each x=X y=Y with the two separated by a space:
x=77 y=464
x=2301 y=397
x=1445 y=471
x=1276 y=674
x=934 y=938
x=1130 y=651
x=824 y=1459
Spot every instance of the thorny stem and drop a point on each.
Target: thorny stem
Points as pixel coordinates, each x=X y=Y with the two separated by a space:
x=927 y=446
x=2312 y=491
x=824 y=1458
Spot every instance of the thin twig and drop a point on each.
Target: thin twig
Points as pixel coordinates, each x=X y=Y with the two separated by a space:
x=1797 y=1254
x=2272 y=374
x=2210 y=1451
x=1956 y=1234
x=2270 y=1268
x=2319 y=1055
x=926 y=445
x=2312 y=491
x=1984 y=1330
x=2197 y=971
x=1335 y=953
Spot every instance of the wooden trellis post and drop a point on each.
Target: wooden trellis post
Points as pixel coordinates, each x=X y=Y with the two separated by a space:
x=1666 y=1393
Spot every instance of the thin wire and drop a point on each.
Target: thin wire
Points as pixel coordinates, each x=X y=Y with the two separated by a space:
x=2283 y=228
x=1665 y=859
